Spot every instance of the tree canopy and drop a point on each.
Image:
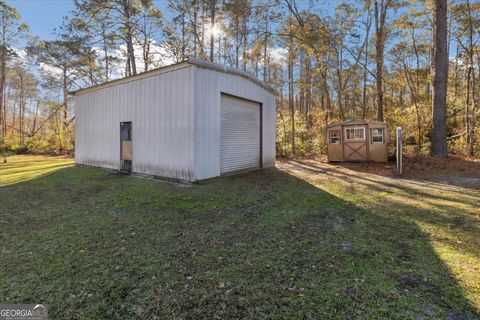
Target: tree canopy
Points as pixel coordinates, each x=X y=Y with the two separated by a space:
x=329 y=62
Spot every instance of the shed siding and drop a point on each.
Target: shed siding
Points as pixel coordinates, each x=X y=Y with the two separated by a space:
x=160 y=108
x=209 y=85
x=361 y=150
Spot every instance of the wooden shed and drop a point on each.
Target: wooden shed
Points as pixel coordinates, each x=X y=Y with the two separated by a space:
x=358 y=140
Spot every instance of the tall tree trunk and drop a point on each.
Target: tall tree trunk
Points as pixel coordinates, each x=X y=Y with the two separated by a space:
x=131 y=52
x=365 y=71
x=237 y=40
x=34 y=124
x=328 y=100
x=213 y=7
x=468 y=72
x=471 y=60
x=59 y=132
x=184 y=44
x=194 y=27
x=105 y=52
x=380 y=17
x=291 y=102
x=413 y=86
x=132 y=66
x=21 y=108
x=65 y=106
x=473 y=121
x=14 y=111
x=265 y=47
x=308 y=93
x=245 y=43
x=341 y=111
x=440 y=77
x=3 y=109
x=455 y=74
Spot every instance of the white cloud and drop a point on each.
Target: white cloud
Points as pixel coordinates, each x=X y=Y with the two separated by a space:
x=21 y=55
x=278 y=54
x=49 y=70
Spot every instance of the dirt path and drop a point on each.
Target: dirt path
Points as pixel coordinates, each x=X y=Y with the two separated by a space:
x=321 y=171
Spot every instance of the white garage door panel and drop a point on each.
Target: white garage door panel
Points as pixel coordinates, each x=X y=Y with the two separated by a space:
x=239 y=134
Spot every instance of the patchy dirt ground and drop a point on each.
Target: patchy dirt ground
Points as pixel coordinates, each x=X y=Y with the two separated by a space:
x=459 y=171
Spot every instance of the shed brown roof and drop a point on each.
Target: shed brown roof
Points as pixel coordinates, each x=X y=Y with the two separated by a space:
x=356 y=122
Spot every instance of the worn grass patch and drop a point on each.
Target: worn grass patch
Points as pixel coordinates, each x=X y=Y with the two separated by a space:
x=294 y=242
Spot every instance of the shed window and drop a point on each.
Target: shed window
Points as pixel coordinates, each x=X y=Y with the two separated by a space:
x=355 y=133
x=334 y=136
x=377 y=135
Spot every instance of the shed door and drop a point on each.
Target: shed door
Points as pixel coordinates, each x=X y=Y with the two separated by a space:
x=240 y=134
x=355 y=143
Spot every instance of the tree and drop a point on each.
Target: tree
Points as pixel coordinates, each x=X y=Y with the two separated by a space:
x=370 y=59
x=467 y=18
x=22 y=89
x=10 y=32
x=63 y=57
x=439 y=80
x=381 y=10
x=213 y=28
x=95 y=29
x=237 y=13
x=148 y=27
x=132 y=23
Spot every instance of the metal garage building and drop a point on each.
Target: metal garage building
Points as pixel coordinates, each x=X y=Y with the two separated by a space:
x=192 y=120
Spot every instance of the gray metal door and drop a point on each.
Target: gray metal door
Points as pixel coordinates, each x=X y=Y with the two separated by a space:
x=240 y=134
x=126 y=152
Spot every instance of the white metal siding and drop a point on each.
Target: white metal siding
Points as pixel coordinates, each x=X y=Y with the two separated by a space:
x=175 y=119
x=209 y=85
x=239 y=134
x=160 y=108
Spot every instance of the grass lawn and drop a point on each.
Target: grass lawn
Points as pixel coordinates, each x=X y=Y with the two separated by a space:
x=304 y=240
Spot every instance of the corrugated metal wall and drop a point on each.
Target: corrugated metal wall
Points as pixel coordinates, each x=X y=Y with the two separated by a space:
x=175 y=119
x=160 y=108
x=209 y=84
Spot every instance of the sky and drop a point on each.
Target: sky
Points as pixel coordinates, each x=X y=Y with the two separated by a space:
x=43 y=16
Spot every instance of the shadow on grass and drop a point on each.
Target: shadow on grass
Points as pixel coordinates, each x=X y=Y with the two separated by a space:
x=453 y=171
x=264 y=244
x=454 y=210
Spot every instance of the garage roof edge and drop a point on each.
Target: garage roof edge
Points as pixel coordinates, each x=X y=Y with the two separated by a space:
x=217 y=67
x=190 y=61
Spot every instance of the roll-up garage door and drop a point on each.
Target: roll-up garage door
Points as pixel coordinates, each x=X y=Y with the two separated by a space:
x=240 y=134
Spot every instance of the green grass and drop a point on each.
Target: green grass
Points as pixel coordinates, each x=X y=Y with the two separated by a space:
x=24 y=168
x=301 y=241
